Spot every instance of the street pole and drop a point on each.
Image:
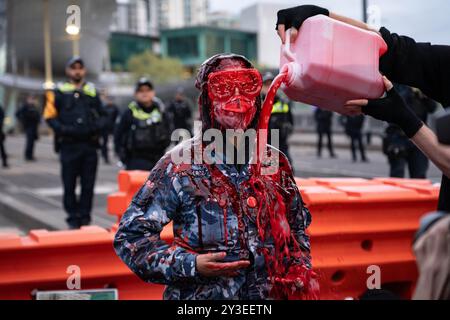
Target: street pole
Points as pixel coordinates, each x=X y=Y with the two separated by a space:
x=364 y=5
x=76 y=45
x=47 y=47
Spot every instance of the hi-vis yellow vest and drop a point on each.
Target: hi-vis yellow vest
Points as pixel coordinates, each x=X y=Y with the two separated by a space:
x=50 y=111
x=88 y=88
x=280 y=107
x=139 y=114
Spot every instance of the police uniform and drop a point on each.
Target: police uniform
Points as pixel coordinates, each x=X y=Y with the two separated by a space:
x=30 y=117
x=77 y=118
x=142 y=135
x=281 y=119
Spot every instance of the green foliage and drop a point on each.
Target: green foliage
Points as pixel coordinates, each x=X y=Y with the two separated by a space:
x=159 y=70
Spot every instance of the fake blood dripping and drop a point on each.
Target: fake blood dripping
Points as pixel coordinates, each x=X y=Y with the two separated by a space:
x=294 y=281
x=288 y=281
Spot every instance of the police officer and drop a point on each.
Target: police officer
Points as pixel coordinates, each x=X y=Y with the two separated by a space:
x=353 y=128
x=324 y=121
x=180 y=111
x=281 y=117
x=74 y=112
x=2 y=140
x=142 y=134
x=29 y=116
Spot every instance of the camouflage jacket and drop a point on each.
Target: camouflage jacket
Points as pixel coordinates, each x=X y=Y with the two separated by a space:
x=179 y=193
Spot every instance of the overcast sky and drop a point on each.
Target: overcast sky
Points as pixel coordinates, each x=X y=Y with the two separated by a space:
x=424 y=20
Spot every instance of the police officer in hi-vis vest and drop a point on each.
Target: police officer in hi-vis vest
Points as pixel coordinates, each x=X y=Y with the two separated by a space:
x=281 y=117
x=143 y=132
x=74 y=111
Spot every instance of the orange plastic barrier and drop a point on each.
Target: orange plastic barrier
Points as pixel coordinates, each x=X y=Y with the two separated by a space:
x=357 y=223
x=40 y=260
x=356 y=226
x=129 y=183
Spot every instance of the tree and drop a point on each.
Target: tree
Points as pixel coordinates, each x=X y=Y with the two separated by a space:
x=159 y=70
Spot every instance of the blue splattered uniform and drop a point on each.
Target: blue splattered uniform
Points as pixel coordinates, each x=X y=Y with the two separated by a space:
x=208 y=216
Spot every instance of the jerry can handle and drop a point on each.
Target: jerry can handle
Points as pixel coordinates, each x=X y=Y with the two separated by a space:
x=287 y=47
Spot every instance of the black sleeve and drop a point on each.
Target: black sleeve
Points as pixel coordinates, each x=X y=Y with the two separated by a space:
x=167 y=119
x=290 y=116
x=121 y=131
x=19 y=114
x=423 y=66
x=419 y=65
x=54 y=121
x=444 y=196
x=430 y=105
x=103 y=116
x=189 y=110
x=2 y=118
x=115 y=113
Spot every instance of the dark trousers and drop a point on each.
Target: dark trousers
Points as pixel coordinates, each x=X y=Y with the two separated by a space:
x=356 y=142
x=104 y=147
x=135 y=163
x=416 y=161
x=320 y=142
x=78 y=161
x=3 y=151
x=30 y=136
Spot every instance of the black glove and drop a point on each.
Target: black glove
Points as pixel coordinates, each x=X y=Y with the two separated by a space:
x=294 y=17
x=393 y=109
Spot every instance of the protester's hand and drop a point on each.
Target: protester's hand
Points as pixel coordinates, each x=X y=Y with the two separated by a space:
x=294 y=17
x=391 y=109
x=291 y=283
x=211 y=265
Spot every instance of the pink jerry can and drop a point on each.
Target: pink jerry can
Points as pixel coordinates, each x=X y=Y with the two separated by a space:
x=332 y=62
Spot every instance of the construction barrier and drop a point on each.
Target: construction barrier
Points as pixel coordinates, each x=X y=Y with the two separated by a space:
x=359 y=226
x=43 y=260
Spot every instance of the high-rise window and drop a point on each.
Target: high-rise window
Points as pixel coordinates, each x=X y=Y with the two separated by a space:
x=183 y=46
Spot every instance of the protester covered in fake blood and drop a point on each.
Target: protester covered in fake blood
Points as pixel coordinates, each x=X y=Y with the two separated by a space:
x=237 y=234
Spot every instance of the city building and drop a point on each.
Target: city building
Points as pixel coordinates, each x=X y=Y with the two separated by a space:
x=147 y=17
x=122 y=46
x=137 y=23
x=260 y=18
x=182 y=13
x=138 y=17
x=222 y=19
x=193 y=45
